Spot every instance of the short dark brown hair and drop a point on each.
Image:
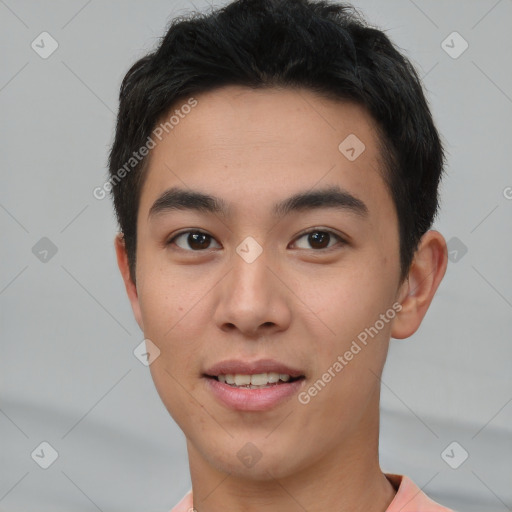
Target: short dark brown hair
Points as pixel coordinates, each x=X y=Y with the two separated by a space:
x=324 y=47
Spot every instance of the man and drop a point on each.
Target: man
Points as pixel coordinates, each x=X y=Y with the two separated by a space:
x=275 y=172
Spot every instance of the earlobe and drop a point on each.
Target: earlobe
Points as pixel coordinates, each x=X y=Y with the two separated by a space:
x=124 y=268
x=416 y=294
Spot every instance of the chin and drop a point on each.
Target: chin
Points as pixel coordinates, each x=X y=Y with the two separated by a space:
x=258 y=461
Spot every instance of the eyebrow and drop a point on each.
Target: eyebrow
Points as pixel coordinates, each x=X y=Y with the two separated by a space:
x=330 y=197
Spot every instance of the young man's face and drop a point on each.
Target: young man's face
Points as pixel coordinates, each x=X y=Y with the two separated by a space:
x=301 y=302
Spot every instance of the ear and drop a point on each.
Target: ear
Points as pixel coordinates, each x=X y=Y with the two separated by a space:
x=131 y=290
x=417 y=291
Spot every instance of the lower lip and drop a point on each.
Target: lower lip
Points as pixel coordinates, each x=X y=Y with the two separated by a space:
x=244 y=399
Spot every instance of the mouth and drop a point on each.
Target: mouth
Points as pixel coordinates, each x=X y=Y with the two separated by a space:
x=255 y=381
x=253 y=374
x=253 y=386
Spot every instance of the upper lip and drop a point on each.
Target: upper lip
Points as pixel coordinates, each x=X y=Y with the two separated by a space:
x=234 y=366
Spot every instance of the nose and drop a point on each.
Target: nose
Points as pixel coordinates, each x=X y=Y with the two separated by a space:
x=252 y=300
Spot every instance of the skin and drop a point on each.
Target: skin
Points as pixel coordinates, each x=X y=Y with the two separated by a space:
x=296 y=303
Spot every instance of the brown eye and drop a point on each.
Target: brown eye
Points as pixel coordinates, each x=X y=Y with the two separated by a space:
x=320 y=239
x=195 y=240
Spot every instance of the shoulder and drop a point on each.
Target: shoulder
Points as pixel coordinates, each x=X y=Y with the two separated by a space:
x=185 y=504
x=410 y=498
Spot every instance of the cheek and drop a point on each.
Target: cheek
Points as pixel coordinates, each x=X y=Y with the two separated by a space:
x=341 y=389
x=348 y=300
x=174 y=315
x=170 y=321
x=159 y=306
x=164 y=296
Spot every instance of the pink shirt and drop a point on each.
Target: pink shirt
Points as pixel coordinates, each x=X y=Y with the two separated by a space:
x=409 y=498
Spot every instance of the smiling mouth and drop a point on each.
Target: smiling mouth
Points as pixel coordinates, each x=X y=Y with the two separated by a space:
x=255 y=381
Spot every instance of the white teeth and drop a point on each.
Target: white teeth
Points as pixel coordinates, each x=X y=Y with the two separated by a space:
x=273 y=377
x=242 y=380
x=258 y=379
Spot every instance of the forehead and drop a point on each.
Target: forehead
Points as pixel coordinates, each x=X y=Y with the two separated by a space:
x=253 y=145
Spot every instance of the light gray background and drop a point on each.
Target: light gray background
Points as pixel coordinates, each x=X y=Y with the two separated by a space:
x=68 y=374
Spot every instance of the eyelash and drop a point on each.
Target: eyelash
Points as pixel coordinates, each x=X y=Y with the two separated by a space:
x=341 y=240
